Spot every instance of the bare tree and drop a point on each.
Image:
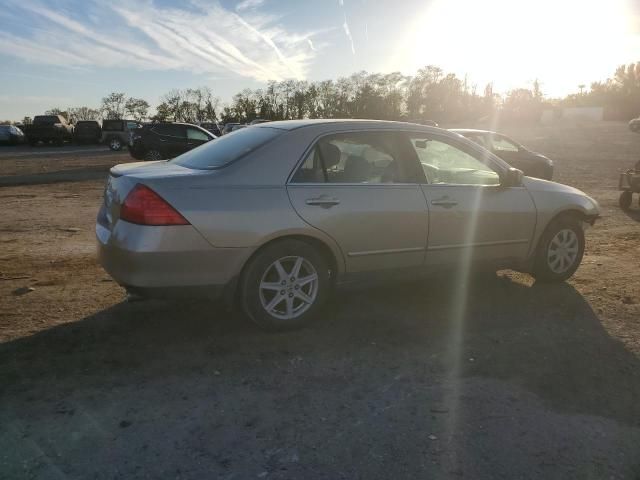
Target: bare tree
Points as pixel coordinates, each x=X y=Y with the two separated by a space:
x=137 y=108
x=84 y=113
x=113 y=106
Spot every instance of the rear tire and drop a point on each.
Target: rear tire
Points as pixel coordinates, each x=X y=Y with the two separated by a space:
x=560 y=250
x=285 y=285
x=625 y=200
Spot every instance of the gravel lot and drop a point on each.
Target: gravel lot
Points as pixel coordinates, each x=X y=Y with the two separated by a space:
x=516 y=380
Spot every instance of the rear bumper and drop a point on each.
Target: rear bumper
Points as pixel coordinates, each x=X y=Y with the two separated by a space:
x=167 y=261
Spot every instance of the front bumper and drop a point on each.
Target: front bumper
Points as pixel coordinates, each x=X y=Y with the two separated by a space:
x=166 y=261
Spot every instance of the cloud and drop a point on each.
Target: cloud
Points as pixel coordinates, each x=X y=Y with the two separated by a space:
x=347 y=32
x=249 y=5
x=198 y=37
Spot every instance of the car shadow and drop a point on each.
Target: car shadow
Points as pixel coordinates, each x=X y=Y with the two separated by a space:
x=411 y=380
x=545 y=338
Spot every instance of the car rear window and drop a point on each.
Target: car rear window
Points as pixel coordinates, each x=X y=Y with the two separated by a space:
x=224 y=150
x=46 y=120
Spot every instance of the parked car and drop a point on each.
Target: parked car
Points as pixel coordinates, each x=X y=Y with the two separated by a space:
x=258 y=121
x=531 y=163
x=211 y=127
x=11 y=135
x=228 y=128
x=49 y=128
x=116 y=133
x=634 y=125
x=277 y=214
x=159 y=141
x=87 y=131
x=238 y=127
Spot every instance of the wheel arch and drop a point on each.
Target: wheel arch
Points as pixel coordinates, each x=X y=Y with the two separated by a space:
x=333 y=258
x=573 y=212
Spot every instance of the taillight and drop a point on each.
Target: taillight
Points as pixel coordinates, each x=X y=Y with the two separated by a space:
x=145 y=207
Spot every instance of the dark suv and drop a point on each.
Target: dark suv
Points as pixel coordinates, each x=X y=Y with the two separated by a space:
x=211 y=127
x=88 y=131
x=116 y=133
x=157 y=141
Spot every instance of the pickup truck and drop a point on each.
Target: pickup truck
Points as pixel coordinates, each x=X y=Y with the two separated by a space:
x=49 y=128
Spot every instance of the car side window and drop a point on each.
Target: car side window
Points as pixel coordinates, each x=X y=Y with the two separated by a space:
x=170 y=130
x=501 y=144
x=444 y=163
x=358 y=157
x=195 y=134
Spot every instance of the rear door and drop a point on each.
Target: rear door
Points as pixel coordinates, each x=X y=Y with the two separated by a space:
x=358 y=188
x=171 y=139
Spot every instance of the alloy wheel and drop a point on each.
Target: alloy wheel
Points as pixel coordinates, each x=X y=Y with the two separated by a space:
x=289 y=287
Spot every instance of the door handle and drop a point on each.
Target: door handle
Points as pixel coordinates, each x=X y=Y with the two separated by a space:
x=323 y=201
x=445 y=202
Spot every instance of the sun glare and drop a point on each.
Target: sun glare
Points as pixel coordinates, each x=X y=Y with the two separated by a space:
x=511 y=42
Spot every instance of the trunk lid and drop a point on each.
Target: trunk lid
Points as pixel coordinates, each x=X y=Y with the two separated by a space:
x=161 y=176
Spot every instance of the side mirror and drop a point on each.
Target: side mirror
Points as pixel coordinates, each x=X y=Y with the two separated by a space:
x=513 y=178
x=421 y=144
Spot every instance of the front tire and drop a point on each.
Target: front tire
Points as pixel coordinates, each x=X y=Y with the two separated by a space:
x=153 y=155
x=560 y=250
x=625 y=200
x=115 y=144
x=285 y=285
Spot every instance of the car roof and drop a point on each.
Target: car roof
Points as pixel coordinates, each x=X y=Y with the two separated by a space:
x=471 y=130
x=344 y=123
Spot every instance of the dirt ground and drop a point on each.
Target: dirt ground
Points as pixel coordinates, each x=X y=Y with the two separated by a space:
x=519 y=380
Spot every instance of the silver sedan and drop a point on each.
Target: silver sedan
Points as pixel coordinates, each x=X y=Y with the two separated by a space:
x=274 y=216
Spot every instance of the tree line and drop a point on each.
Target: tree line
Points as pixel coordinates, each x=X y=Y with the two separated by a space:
x=430 y=94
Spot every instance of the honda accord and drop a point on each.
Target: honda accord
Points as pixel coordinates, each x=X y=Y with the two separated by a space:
x=276 y=215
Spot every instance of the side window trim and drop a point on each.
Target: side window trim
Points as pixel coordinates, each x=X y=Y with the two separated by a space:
x=314 y=143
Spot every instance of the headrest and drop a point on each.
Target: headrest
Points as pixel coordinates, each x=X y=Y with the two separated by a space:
x=330 y=154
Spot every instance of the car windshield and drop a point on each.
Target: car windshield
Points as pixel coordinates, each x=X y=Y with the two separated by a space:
x=224 y=150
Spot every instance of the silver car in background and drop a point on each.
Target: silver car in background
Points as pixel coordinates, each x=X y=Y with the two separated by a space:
x=276 y=215
x=11 y=135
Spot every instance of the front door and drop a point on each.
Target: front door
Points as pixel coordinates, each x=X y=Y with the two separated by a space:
x=357 y=188
x=472 y=217
x=508 y=151
x=172 y=139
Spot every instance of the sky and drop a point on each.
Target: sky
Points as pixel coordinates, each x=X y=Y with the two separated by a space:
x=70 y=53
